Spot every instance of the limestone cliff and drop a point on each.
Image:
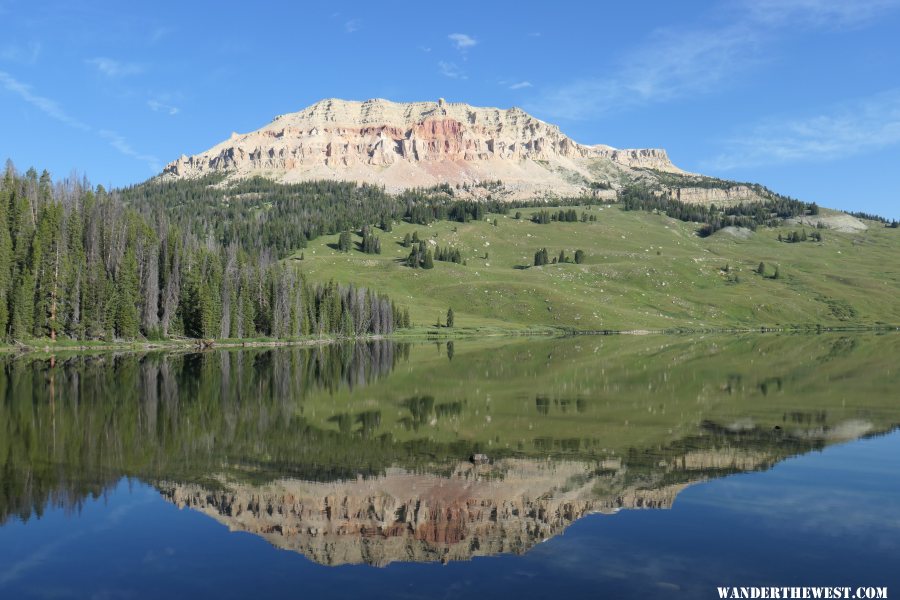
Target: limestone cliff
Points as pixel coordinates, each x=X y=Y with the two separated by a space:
x=421 y=144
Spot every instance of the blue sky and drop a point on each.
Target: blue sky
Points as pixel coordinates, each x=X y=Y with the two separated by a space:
x=801 y=95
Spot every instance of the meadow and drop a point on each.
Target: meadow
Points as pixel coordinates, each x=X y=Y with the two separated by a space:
x=641 y=271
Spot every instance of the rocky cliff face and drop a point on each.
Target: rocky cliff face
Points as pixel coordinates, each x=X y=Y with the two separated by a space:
x=404 y=516
x=420 y=144
x=719 y=196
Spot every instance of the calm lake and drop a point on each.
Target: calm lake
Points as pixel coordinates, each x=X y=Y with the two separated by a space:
x=620 y=466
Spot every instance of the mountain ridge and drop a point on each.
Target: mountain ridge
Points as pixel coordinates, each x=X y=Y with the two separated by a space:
x=423 y=144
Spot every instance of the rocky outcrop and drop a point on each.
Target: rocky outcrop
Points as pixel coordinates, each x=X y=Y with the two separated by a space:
x=835 y=221
x=403 y=516
x=420 y=144
x=715 y=195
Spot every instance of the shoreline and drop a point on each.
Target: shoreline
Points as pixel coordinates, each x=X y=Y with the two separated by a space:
x=427 y=334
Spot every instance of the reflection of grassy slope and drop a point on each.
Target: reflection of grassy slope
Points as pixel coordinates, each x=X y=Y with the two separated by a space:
x=261 y=414
x=642 y=271
x=606 y=395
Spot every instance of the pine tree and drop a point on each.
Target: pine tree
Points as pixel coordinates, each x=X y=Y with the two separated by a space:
x=127 y=320
x=5 y=257
x=450 y=320
x=345 y=241
x=579 y=257
x=761 y=269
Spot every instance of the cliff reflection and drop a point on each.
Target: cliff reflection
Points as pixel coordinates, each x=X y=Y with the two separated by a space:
x=359 y=453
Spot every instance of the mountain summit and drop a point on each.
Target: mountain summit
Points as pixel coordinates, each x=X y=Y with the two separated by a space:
x=423 y=144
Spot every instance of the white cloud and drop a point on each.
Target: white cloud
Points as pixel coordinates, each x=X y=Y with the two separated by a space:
x=159 y=106
x=673 y=65
x=159 y=33
x=114 y=68
x=26 y=54
x=121 y=144
x=852 y=128
x=677 y=63
x=827 y=14
x=352 y=25
x=53 y=110
x=451 y=70
x=462 y=41
x=49 y=107
x=520 y=85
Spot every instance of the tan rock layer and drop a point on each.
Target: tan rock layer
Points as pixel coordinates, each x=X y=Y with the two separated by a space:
x=415 y=145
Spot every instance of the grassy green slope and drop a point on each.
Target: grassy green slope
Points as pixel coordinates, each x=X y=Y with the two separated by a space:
x=642 y=271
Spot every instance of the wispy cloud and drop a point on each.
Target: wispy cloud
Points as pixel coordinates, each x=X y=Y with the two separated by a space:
x=352 y=25
x=25 y=54
x=852 y=128
x=49 y=107
x=462 y=41
x=159 y=33
x=677 y=63
x=160 y=106
x=114 y=68
x=451 y=70
x=673 y=65
x=52 y=109
x=826 y=14
x=521 y=85
x=121 y=144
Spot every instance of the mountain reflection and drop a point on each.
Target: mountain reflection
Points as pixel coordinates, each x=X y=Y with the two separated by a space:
x=359 y=453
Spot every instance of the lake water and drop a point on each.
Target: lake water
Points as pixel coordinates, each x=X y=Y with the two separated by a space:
x=621 y=466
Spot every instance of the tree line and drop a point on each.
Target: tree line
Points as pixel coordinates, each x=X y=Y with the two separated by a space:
x=78 y=263
x=542 y=257
x=749 y=215
x=796 y=237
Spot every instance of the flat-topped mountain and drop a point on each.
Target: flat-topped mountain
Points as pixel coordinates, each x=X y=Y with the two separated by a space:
x=423 y=144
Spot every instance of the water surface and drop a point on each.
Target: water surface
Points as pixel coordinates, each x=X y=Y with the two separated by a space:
x=618 y=466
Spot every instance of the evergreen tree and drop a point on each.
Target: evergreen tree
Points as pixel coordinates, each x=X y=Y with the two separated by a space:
x=127 y=320
x=344 y=241
x=450 y=320
x=5 y=257
x=579 y=257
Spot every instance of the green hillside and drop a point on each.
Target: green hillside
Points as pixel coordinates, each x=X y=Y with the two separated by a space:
x=641 y=271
